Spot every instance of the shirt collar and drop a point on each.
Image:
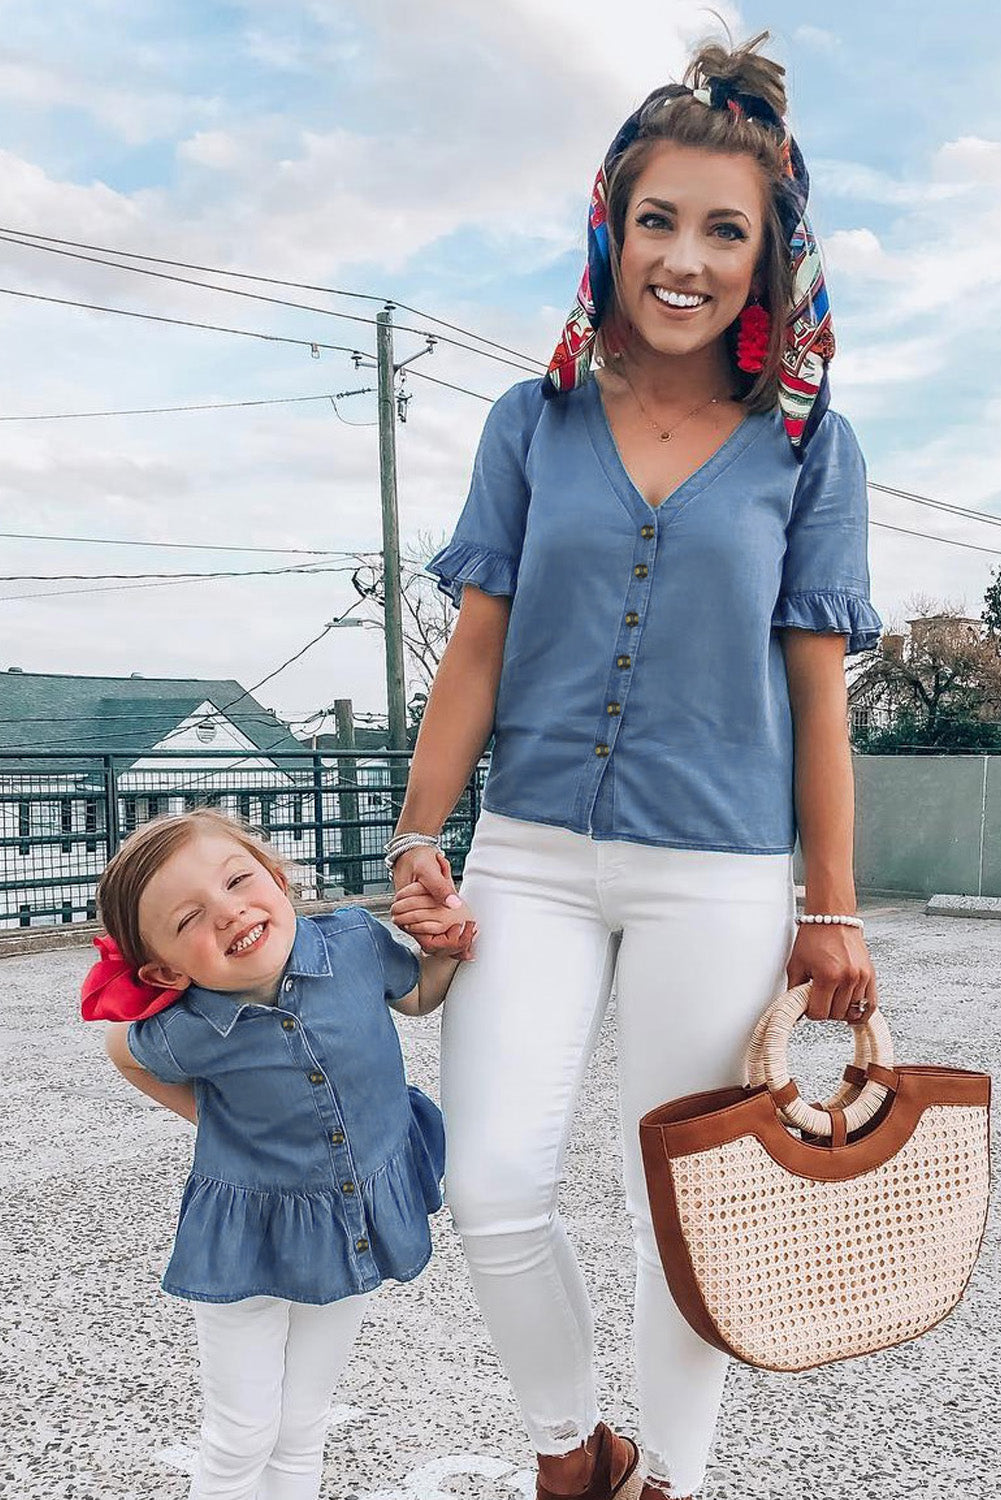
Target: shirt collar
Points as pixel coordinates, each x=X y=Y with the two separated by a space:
x=309 y=959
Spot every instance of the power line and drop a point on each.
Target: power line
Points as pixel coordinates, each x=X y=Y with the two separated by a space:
x=928 y=537
x=266 y=716
x=153 y=411
x=957 y=510
x=231 y=291
x=330 y=625
x=107 y=541
x=465 y=391
x=124 y=312
x=26 y=236
x=229 y=573
x=247 y=333
x=345 y=420
x=120 y=588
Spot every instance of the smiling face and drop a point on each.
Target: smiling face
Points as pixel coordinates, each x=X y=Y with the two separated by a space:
x=692 y=240
x=214 y=916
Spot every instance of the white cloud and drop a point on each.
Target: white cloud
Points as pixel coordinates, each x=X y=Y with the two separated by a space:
x=890 y=362
x=969 y=159
x=832 y=178
x=137 y=115
x=818 y=38
x=857 y=252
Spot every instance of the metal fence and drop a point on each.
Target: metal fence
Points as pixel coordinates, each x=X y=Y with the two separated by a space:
x=328 y=813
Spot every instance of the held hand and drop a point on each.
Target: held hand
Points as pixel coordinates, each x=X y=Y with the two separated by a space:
x=426 y=869
x=448 y=930
x=837 y=960
x=419 y=913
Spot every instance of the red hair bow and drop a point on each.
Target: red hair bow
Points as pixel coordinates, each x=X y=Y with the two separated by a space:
x=113 y=991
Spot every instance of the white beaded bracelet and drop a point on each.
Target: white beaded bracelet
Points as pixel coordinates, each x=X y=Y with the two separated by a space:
x=402 y=843
x=838 y=921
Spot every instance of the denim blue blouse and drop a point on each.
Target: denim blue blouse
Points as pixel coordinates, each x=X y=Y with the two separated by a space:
x=315 y=1166
x=643 y=693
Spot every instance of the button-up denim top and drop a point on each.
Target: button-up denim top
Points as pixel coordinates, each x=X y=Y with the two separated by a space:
x=315 y=1166
x=643 y=693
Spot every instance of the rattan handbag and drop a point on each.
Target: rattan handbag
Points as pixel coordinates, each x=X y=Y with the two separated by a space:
x=790 y=1251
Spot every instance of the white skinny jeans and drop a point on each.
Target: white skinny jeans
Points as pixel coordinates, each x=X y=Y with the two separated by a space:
x=696 y=944
x=268 y=1370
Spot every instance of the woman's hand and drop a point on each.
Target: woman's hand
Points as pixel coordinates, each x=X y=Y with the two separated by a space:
x=837 y=960
x=430 y=867
x=427 y=905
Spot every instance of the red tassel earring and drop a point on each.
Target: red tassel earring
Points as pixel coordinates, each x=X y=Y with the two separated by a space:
x=753 y=336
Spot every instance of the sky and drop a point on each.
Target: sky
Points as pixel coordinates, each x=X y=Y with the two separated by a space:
x=439 y=155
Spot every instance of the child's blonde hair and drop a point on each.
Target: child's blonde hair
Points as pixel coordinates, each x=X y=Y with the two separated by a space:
x=130 y=870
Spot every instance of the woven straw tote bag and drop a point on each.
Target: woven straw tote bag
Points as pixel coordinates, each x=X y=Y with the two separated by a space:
x=859 y=1232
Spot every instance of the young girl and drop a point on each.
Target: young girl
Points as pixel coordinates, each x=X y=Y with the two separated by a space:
x=315 y=1166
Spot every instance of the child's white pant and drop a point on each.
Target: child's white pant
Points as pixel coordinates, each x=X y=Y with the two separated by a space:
x=268 y=1369
x=696 y=944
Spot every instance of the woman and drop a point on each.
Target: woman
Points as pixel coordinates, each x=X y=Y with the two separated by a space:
x=660 y=570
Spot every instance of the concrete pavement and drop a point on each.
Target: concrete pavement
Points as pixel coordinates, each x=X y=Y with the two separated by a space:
x=98 y=1390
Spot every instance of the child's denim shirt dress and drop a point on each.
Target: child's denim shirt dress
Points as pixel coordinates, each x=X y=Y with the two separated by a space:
x=315 y=1165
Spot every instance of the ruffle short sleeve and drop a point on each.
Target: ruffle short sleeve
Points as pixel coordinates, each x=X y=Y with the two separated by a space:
x=825 y=575
x=485 y=549
x=400 y=967
x=149 y=1046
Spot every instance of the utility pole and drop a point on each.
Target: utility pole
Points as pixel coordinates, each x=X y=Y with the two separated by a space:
x=396 y=693
x=347 y=778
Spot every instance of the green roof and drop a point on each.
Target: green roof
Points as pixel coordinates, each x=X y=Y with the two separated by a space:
x=124 y=715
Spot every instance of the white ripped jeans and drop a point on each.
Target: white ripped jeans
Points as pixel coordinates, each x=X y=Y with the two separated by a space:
x=268 y=1370
x=696 y=945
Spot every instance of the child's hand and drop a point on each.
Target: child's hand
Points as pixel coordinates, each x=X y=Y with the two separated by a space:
x=418 y=913
x=447 y=928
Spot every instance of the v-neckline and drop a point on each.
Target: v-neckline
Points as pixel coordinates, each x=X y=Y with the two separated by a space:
x=622 y=481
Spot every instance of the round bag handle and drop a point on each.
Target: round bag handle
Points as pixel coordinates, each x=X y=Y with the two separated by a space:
x=780 y=1019
x=754 y=1066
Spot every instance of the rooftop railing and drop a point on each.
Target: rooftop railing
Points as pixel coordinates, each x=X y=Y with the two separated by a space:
x=63 y=813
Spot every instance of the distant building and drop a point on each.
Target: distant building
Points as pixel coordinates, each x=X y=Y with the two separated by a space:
x=873 y=701
x=75 y=751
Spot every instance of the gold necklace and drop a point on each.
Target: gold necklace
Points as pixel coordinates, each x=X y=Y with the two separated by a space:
x=666 y=434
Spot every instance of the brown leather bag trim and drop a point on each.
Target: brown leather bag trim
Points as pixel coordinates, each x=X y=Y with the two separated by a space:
x=702 y=1121
x=839 y=1129
x=785 y=1095
x=674 y=1256
x=888 y=1077
x=854 y=1075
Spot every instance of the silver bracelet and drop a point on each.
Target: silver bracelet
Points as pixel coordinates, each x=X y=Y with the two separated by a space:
x=402 y=843
x=836 y=921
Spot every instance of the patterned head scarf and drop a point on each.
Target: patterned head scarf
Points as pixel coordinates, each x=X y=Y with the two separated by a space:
x=809 y=341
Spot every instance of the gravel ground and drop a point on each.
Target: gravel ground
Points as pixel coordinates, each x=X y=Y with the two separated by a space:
x=97 y=1369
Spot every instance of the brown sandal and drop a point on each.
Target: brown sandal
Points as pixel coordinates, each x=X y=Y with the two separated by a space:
x=600 y=1486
